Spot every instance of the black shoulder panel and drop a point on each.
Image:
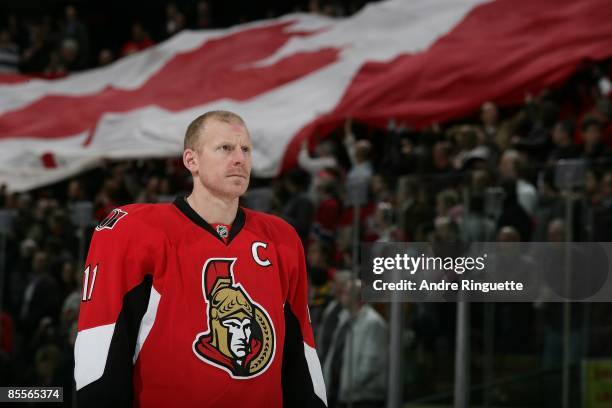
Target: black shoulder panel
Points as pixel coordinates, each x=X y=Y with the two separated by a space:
x=298 y=390
x=115 y=388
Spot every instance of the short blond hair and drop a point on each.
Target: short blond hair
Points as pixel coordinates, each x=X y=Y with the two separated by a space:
x=196 y=127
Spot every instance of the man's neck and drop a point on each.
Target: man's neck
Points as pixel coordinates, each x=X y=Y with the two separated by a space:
x=356 y=308
x=213 y=209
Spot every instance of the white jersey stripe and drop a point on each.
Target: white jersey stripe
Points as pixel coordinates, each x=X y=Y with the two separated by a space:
x=147 y=321
x=90 y=354
x=316 y=375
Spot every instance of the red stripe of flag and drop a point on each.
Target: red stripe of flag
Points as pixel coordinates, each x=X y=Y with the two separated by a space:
x=500 y=51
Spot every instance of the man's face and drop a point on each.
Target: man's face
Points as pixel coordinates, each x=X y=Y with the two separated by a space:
x=507 y=167
x=489 y=114
x=558 y=134
x=440 y=157
x=556 y=231
x=224 y=158
x=592 y=135
x=315 y=257
x=39 y=261
x=239 y=335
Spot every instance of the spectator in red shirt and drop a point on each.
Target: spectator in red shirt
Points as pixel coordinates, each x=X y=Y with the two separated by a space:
x=593 y=149
x=7 y=331
x=329 y=207
x=203 y=19
x=140 y=40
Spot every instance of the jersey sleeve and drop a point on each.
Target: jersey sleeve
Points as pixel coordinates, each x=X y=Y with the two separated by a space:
x=302 y=378
x=117 y=287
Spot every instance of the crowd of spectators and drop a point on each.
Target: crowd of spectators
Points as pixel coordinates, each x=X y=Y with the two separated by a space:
x=422 y=185
x=51 y=46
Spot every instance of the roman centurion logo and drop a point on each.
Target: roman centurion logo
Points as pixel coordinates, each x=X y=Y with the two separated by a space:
x=240 y=337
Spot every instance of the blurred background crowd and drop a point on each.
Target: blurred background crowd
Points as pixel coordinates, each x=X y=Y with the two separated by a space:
x=424 y=185
x=70 y=39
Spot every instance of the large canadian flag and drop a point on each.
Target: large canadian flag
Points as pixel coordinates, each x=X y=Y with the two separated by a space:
x=413 y=60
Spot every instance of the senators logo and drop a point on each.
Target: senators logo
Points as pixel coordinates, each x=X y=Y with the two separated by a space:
x=240 y=337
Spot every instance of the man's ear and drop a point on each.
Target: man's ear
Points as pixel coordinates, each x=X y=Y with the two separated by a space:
x=190 y=160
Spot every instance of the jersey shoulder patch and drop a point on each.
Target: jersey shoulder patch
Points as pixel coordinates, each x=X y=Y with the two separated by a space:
x=135 y=214
x=111 y=219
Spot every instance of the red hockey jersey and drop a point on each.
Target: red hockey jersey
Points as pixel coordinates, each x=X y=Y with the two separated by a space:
x=172 y=315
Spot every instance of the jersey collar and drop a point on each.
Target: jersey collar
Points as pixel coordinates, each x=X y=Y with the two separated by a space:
x=181 y=203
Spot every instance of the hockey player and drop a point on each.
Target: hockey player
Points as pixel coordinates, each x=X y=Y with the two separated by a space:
x=198 y=303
